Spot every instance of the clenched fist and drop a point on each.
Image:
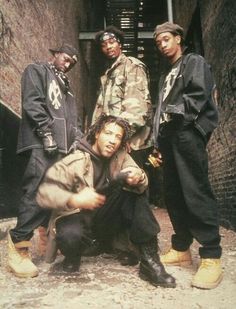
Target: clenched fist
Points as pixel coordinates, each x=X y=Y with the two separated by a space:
x=87 y=198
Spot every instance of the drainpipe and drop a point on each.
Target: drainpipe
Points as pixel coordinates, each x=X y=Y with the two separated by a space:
x=170 y=10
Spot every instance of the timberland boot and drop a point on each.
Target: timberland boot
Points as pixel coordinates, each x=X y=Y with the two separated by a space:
x=151 y=269
x=19 y=261
x=177 y=258
x=209 y=274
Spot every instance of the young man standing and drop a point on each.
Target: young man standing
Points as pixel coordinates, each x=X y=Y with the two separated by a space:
x=89 y=207
x=185 y=118
x=125 y=92
x=48 y=130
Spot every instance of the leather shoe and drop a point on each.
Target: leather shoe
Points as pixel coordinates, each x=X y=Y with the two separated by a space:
x=151 y=269
x=154 y=272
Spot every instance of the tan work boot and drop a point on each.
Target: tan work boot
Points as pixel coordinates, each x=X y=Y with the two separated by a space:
x=209 y=274
x=177 y=258
x=19 y=261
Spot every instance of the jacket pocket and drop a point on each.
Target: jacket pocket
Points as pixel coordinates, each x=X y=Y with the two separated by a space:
x=59 y=133
x=119 y=86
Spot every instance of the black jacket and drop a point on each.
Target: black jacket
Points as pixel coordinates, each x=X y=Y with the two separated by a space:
x=48 y=105
x=190 y=98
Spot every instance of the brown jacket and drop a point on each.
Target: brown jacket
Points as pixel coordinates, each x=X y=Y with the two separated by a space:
x=72 y=174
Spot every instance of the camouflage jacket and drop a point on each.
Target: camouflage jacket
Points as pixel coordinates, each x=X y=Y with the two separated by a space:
x=125 y=93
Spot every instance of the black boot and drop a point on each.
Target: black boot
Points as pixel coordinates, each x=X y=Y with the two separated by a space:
x=151 y=268
x=71 y=264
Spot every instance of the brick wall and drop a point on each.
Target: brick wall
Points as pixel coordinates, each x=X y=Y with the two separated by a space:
x=219 y=37
x=27 y=30
x=182 y=11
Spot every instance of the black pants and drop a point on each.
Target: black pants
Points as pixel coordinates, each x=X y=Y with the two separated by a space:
x=155 y=188
x=141 y=156
x=30 y=215
x=122 y=211
x=190 y=202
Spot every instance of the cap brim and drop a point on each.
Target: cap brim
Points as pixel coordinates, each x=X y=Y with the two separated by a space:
x=53 y=51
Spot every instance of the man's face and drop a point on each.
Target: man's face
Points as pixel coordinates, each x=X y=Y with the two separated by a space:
x=108 y=140
x=169 y=45
x=63 y=62
x=111 y=48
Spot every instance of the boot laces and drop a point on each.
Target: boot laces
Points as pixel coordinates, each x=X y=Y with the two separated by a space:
x=206 y=263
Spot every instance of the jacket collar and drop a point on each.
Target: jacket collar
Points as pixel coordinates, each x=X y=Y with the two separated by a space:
x=119 y=60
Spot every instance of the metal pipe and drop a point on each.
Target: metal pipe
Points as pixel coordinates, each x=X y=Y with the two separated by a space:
x=170 y=10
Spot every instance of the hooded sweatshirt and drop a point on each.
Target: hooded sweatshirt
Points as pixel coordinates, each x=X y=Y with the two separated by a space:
x=100 y=165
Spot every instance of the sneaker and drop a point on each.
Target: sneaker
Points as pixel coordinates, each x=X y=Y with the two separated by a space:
x=209 y=274
x=177 y=258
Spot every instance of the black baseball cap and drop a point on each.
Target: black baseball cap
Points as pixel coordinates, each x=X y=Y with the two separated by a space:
x=67 y=49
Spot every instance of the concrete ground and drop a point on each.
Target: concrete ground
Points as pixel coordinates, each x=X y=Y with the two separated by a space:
x=103 y=283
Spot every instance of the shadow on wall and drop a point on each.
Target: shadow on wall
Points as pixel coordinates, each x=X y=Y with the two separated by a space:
x=11 y=165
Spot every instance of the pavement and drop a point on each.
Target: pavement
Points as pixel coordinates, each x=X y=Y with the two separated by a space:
x=103 y=283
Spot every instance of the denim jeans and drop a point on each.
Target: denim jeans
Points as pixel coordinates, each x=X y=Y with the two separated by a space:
x=30 y=215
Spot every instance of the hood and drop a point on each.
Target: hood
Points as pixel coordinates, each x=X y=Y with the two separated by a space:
x=85 y=146
x=100 y=165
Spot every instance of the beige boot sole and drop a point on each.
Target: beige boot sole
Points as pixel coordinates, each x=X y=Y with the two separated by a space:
x=207 y=286
x=22 y=275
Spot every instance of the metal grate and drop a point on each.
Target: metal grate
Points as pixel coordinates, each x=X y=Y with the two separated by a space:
x=124 y=15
